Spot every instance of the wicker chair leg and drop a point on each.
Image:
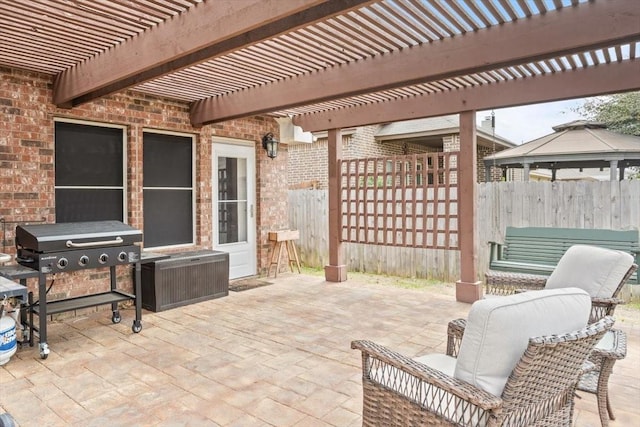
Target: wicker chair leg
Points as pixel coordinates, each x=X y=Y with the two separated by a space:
x=609 y=409
x=604 y=405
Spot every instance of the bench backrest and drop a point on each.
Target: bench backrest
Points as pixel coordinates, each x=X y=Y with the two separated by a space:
x=546 y=245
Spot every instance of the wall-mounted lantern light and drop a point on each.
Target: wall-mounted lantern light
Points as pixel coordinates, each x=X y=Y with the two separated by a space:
x=270 y=144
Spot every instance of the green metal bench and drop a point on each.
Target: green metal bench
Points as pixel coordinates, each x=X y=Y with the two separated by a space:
x=529 y=254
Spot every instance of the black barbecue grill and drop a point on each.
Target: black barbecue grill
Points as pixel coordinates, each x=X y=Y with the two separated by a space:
x=59 y=248
x=54 y=248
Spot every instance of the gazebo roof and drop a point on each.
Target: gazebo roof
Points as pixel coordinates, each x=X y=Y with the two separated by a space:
x=578 y=144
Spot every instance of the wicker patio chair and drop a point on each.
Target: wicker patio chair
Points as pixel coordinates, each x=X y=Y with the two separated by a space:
x=541 y=372
x=599 y=271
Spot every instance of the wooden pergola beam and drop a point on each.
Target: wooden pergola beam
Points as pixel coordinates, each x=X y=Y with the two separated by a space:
x=573 y=29
x=592 y=81
x=210 y=29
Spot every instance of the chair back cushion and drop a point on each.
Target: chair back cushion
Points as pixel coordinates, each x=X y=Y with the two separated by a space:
x=498 y=331
x=597 y=270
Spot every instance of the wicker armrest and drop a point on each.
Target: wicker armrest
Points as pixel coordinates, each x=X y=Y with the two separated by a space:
x=606 y=301
x=422 y=372
x=455 y=331
x=506 y=283
x=601 y=307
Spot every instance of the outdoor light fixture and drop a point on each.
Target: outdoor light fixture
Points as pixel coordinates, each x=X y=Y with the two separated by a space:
x=270 y=144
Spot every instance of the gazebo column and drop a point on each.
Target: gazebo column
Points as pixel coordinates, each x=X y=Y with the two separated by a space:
x=468 y=288
x=525 y=167
x=621 y=170
x=336 y=271
x=613 y=170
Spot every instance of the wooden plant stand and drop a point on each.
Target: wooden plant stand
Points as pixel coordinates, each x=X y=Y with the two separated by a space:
x=283 y=239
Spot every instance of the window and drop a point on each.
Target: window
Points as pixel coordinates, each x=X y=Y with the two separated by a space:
x=89 y=172
x=232 y=200
x=168 y=190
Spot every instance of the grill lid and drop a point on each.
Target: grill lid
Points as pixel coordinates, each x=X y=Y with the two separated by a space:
x=73 y=235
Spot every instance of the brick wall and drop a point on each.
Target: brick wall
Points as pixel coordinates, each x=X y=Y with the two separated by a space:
x=308 y=162
x=27 y=163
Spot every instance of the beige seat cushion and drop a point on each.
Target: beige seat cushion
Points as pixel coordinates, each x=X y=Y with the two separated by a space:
x=498 y=331
x=441 y=362
x=597 y=270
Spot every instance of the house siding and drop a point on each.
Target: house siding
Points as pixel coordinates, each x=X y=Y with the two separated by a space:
x=27 y=163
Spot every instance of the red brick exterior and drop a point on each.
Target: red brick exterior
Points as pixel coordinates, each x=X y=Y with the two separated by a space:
x=308 y=162
x=27 y=162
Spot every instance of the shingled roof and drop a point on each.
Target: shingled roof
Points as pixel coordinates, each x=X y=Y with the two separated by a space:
x=434 y=127
x=573 y=145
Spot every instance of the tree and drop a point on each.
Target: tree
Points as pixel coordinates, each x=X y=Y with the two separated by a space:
x=620 y=112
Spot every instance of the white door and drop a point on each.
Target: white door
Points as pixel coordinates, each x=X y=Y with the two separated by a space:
x=234 y=194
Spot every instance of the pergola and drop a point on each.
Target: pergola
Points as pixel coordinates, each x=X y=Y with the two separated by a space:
x=331 y=64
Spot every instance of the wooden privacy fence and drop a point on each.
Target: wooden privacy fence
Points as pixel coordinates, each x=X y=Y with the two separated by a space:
x=581 y=204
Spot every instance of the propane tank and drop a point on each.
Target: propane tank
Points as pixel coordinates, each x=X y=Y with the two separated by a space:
x=8 y=341
x=7 y=420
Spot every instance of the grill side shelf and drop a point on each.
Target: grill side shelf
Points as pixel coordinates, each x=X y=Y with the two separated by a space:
x=61 y=306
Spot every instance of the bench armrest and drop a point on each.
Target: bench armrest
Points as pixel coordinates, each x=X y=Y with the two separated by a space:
x=636 y=255
x=496 y=251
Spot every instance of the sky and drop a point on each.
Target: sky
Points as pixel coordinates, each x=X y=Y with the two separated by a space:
x=526 y=123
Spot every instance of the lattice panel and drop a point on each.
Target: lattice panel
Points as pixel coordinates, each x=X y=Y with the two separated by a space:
x=407 y=201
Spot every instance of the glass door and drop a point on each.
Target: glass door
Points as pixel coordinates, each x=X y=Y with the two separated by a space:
x=234 y=226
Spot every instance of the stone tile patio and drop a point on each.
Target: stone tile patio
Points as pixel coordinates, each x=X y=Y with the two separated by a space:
x=277 y=355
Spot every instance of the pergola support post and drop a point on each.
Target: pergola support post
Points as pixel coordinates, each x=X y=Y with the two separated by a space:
x=336 y=271
x=468 y=288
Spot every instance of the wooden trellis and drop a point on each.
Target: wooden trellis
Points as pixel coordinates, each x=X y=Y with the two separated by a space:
x=407 y=201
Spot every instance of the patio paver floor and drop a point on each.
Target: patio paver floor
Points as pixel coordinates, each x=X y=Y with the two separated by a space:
x=272 y=356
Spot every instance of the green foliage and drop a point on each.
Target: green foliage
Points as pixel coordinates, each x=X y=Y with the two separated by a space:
x=620 y=112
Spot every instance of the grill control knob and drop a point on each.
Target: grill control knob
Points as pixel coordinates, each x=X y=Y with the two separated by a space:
x=62 y=263
x=103 y=258
x=122 y=256
x=84 y=260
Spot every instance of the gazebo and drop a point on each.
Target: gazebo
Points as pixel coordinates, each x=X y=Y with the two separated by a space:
x=579 y=144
